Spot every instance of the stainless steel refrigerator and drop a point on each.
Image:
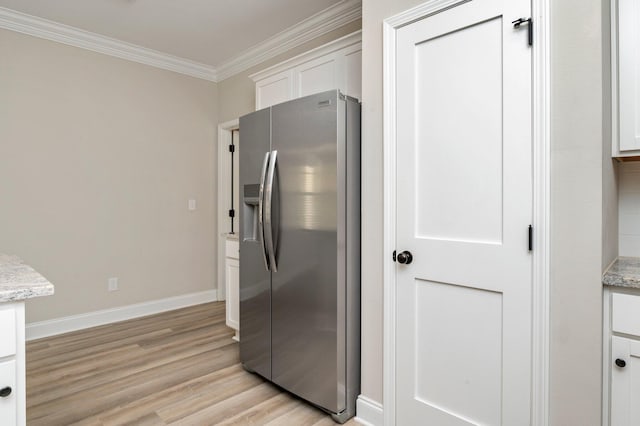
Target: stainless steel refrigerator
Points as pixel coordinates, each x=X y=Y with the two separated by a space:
x=300 y=248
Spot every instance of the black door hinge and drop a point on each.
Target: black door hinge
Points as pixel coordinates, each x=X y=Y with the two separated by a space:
x=529 y=22
x=232 y=148
x=232 y=213
x=530 y=238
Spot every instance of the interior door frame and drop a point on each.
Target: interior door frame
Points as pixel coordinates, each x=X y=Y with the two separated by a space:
x=224 y=182
x=541 y=203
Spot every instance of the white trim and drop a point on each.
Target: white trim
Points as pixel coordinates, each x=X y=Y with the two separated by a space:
x=352 y=39
x=224 y=171
x=369 y=412
x=37 y=330
x=315 y=26
x=389 y=221
x=541 y=203
x=606 y=356
x=541 y=212
x=421 y=11
x=615 y=143
x=54 y=31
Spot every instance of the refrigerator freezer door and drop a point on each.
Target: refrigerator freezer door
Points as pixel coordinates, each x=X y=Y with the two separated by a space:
x=255 y=279
x=308 y=330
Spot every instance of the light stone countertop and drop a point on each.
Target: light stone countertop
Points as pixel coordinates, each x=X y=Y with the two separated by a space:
x=624 y=272
x=19 y=281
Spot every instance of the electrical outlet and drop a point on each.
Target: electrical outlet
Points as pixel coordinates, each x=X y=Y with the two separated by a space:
x=192 y=205
x=112 y=284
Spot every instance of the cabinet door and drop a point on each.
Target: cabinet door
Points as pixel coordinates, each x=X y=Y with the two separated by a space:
x=317 y=76
x=353 y=71
x=8 y=404
x=274 y=90
x=233 y=287
x=7 y=331
x=629 y=74
x=625 y=382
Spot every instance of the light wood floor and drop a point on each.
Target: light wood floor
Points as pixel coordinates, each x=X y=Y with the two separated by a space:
x=179 y=367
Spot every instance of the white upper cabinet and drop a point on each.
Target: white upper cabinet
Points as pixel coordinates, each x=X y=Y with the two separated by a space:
x=274 y=89
x=335 y=65
x=626 y=77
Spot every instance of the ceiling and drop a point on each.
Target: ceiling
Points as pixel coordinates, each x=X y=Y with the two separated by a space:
x=210 y=32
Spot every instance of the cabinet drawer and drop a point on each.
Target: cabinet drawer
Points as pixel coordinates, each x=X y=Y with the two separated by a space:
x=625 y=314
x=7 y=331
x=232 y=249
x=8 y=404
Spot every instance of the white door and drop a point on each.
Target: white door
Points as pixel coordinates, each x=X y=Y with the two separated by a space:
x=464 y=206
x=625 y=382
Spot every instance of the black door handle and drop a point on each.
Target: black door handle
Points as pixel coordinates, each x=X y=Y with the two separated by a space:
x=5 y=392
x=405 y=257
x=621 y=363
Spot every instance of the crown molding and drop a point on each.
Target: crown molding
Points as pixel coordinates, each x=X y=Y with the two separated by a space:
x=49 y=30
x=317 y=25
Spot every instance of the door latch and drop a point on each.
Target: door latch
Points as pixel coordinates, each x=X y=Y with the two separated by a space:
x=518 y=22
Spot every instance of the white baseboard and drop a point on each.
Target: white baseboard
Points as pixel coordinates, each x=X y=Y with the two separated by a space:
x=37 y=330
x=369 y=412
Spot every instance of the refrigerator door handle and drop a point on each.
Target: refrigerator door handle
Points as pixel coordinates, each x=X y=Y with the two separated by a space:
x=268 y=210
x=261 y=235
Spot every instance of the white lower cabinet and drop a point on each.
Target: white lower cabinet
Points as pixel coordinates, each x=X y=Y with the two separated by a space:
x=232 y=286
x=12 y=365
x=8 y=399
x=621 y=357
x=625 y=381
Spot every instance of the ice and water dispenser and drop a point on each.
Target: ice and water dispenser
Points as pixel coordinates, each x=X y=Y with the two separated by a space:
x=250 y=198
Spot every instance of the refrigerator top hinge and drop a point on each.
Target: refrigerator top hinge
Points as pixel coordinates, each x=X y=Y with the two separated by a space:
x=232 y=213
x=232 y=148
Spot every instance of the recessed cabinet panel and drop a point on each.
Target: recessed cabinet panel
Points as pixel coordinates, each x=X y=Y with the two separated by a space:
x=232 y=249
x=625 y=382
x=274 y=90
x=8 y=403
x=625 y=78
x=233 y=293
x=7 y=331
x=629 y=74
x=625 y=314
x=317 y=76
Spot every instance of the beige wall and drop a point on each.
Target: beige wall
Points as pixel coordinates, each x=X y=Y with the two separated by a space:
x=237 y=94
x=98 y=157
x=577 y=193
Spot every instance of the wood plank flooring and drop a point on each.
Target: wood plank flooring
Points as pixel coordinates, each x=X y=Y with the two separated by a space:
x=175 y=368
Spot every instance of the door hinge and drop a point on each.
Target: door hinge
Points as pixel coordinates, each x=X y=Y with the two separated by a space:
x=232 y=148
x=529 y=22
x=232 y=213
x=530 y=238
